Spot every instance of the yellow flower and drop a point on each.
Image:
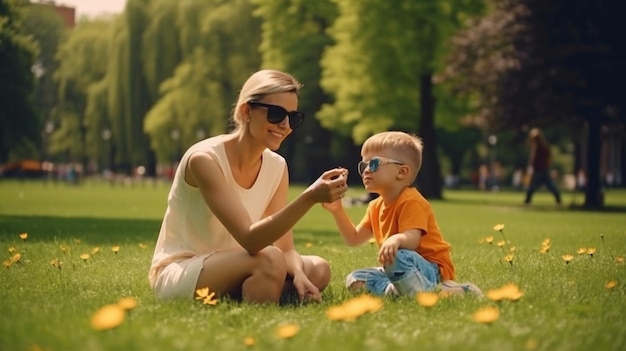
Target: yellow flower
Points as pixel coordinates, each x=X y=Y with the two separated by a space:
x=127 y=303
x=486 y=315
x=489 y=239
x=372 y=241
x=206 y=297
x=509 y=258
x=95 y=250
x=142 y=245
x=16 y=258
x=353 y=308
x=63 y=248
x=506 y=292
x=287 y=331
x=12 y=249
x=611 y=284
x=108 y=317
x=56 y=263
x=619 y=259
x=249 y=341
x=567 y=258
x=115 y=248
x=581 y=251
x=498 y=227
x=427 y=299
x=24 y=236
x=309 y=245
x=84 y=257
x=591 y=251
x=512 y=248
x=7 y=263
x=501 y=243
x=76 y=241
x=546 y=242
x=531 y=344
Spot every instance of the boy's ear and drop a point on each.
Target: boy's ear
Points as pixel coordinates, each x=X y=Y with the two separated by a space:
x=403 y=172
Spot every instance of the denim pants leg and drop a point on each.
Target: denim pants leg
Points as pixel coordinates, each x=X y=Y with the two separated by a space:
x=375 y=279
x=411 y=273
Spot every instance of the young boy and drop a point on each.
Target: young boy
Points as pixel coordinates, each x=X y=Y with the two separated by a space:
x=413 y=254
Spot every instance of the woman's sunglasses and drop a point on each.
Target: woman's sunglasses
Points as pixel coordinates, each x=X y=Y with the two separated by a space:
x=375 y=162
x=276 y=114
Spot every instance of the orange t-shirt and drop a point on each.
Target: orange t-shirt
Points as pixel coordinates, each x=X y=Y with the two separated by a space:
x=410 y=211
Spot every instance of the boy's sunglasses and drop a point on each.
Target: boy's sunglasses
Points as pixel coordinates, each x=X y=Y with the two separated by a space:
x=276 y=114
x=375 y=162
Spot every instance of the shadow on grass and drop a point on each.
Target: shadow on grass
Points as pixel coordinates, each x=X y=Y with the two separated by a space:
x=96 y=231
x=103 y=231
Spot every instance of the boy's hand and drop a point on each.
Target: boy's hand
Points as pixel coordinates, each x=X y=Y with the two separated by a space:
x=333 y=206
x=388 y=250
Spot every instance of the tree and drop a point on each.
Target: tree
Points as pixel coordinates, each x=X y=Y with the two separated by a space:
x=380 y=71
x=294 y=36
x=19 y=124
x=48 y=29
x=547 y=64
x=219 y=50
x=82 y=58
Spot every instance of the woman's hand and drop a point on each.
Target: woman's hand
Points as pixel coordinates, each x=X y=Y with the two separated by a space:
x=305 y=289
x=330 y=186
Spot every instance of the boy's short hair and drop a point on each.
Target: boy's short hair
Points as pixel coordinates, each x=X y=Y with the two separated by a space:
x=405 y=147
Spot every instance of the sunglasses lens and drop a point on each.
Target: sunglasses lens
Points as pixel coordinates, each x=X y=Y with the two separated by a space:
x=295 y=119
x=373 y=164
x=362 y=166
x=276 y=114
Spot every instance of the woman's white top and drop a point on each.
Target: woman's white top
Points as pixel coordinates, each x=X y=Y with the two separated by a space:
x=189 y=227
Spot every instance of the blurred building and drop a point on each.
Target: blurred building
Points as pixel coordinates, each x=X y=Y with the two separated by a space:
x=67 y=13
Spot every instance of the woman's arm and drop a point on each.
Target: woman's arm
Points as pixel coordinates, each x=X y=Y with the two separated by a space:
x=203 y=171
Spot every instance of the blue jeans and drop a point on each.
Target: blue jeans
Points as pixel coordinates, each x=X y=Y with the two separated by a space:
x=539 y=178
x=409 y=273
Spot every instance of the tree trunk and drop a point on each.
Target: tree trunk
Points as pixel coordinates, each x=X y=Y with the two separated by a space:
x=429 y=179
x=594 y=198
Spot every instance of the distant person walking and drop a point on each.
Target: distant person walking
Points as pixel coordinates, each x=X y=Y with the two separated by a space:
x=539 y=162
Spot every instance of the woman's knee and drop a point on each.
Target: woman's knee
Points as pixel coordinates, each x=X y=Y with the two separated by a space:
x=271 y=262
x=320 y=272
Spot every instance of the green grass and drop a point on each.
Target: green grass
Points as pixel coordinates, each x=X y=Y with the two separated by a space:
x=564 y=307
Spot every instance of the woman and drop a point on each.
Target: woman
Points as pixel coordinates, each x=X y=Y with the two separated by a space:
x=228 y=224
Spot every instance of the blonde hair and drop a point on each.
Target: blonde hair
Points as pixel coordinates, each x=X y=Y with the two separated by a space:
x=404 y=147
x=263 y=83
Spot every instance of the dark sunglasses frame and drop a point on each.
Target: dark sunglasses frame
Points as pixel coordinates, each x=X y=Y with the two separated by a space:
x=276 y=114
x=375 y=162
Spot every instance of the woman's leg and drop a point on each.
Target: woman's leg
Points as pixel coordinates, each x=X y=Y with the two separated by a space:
x=317 y=270
x=254 y=278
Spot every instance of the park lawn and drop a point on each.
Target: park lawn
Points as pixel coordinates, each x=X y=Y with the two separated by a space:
x=565 y=306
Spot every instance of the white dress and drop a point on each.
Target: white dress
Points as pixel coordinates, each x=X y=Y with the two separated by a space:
x=190 y=232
